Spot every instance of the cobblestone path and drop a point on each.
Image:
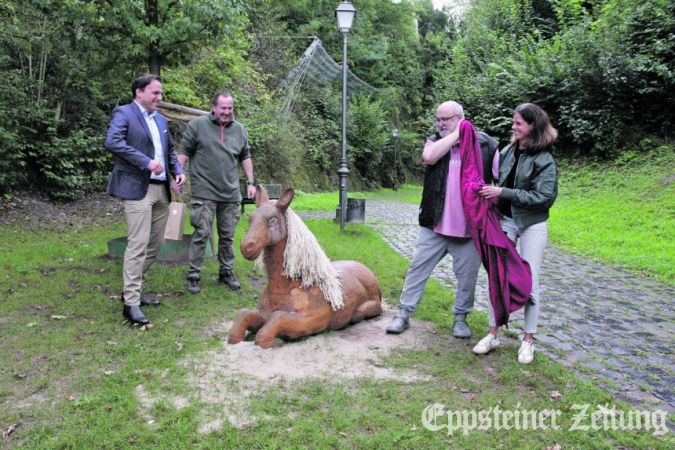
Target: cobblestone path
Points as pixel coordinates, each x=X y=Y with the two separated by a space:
x=612 y=327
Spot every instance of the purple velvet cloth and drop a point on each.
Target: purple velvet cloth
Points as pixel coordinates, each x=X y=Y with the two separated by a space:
x=509 y=275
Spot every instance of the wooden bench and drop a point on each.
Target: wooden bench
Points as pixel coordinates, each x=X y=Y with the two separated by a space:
x=273 y=192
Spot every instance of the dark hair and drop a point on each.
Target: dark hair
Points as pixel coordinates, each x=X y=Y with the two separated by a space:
x=542 y=134
x=142 y=81
x=214 y=100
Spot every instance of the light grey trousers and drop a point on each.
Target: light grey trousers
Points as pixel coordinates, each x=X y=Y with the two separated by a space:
x=531 y=242
x=430 y=248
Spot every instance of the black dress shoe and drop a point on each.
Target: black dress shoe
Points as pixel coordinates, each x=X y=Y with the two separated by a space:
x=149 y=301
x=135 y=315
x=145 y=301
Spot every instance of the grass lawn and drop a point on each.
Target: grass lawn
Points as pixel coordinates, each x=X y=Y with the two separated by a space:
x=621 y=213
x=328 y=201
x=72 y=375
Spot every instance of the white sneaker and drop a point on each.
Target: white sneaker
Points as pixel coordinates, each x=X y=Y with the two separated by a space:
x=487 y=344
x=526 y=352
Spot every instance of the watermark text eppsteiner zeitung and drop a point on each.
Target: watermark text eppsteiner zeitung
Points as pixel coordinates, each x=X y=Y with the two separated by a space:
x=437 y=417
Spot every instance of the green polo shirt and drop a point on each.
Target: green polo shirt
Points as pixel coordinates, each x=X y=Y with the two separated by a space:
x=214 y=151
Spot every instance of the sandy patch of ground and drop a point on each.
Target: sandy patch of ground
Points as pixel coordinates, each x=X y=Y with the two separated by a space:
x=349 y=353
x=225 y=378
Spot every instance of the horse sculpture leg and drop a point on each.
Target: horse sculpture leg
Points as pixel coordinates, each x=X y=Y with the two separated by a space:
x=368 y=309
x=247 y=319
x=292 y=326
x=361 y=290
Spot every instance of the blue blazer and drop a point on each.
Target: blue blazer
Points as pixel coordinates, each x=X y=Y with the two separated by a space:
x=130 y=140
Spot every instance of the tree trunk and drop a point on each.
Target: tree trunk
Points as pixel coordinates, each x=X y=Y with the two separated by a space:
x=58 y=109
x=155 y=61
x=152 y=19
x=42 y=67
x=183 y=109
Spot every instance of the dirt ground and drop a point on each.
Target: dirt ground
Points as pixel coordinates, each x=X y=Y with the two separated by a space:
x=225 y=378
x=37 y=211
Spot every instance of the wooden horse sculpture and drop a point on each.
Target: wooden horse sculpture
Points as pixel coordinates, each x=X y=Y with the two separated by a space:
x=306 y=293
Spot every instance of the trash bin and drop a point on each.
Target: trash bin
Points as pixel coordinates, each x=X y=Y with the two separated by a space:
x=356 y=210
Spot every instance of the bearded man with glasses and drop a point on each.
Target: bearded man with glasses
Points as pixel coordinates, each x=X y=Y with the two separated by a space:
x=443 y=227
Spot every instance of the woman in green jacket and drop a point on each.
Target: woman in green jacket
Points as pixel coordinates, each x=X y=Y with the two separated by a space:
x=526 y=190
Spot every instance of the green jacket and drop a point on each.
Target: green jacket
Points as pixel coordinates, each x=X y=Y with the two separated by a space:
x=535 y=185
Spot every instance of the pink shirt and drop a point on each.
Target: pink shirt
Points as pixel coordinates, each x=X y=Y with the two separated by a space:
x=452 y=221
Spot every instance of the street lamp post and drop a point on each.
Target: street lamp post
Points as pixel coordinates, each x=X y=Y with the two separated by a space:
x=394 y=133
x=344 y=14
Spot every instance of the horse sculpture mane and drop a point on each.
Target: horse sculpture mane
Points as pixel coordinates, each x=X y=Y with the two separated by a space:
x=306 y=293
x=305 y=260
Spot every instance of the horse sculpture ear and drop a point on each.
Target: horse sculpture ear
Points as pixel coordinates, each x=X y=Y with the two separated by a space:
x=285 y=199
x=261 y=195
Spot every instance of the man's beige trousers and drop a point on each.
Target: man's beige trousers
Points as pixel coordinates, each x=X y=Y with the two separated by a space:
x=146 y=220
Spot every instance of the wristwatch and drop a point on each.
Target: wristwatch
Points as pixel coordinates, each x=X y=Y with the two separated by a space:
x=250 y=183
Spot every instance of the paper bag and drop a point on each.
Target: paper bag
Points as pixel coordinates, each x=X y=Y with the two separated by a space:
x=174 y=226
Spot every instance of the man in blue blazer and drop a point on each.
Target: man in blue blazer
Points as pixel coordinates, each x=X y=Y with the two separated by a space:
x=139 y=137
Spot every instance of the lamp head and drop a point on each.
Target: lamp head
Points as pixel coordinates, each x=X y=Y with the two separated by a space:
x=344 y=13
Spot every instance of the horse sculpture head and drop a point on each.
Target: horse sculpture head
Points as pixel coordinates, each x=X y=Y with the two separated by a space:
x=267 y=224
x=293 y=250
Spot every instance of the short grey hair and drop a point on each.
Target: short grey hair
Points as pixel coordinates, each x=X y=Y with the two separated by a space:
x=459 y=110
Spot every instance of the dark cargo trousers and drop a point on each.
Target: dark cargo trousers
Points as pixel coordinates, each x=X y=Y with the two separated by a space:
x=227 y=217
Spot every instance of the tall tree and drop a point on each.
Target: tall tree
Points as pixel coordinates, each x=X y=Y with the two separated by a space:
x=160 y=32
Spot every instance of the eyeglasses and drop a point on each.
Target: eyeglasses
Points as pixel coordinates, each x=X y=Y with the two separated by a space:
x=445 y=119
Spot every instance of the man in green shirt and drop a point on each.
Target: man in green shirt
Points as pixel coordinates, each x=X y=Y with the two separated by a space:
x=215 y=144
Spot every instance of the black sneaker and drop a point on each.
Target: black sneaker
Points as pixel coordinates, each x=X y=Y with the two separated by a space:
x=229 y=279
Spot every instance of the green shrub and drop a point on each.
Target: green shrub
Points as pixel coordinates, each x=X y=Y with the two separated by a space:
x=69 y=166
